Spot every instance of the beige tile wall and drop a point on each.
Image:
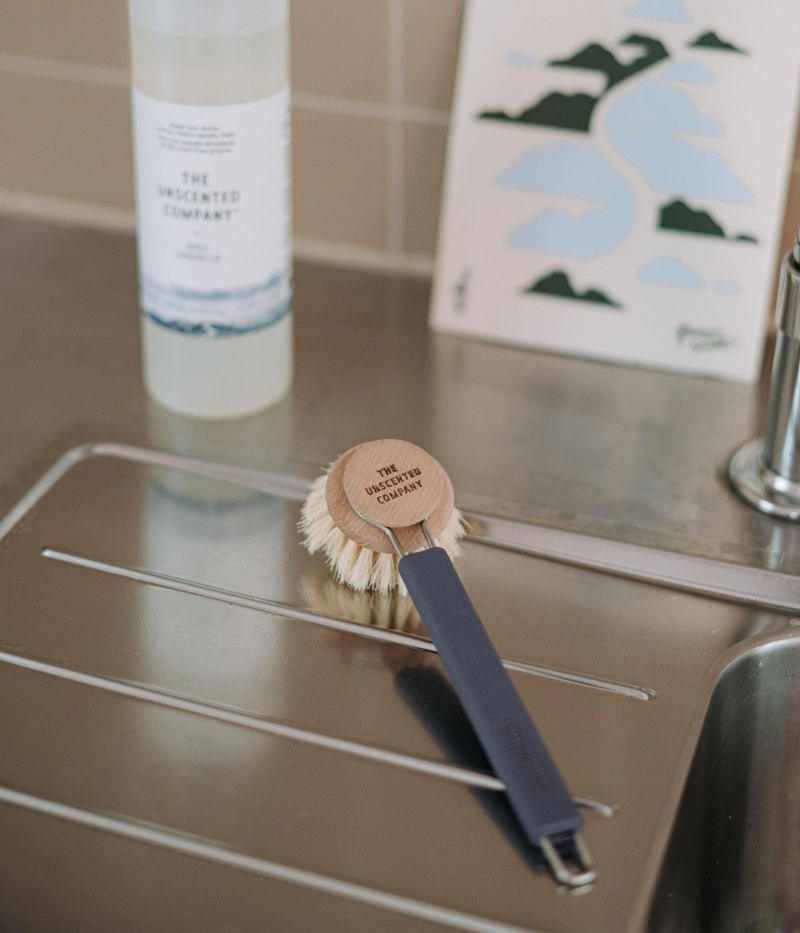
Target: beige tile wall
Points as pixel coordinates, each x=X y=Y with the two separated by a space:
x=372 y=86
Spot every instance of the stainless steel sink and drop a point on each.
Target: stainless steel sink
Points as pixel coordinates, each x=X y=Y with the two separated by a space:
x=734 y=859
x=200 y=714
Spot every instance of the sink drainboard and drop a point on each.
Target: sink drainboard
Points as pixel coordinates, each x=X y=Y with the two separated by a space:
x=187 y=680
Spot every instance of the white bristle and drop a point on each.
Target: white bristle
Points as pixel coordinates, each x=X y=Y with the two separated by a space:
x=359 y=567
x=345 y=562
x=315 y=520
x=385 y=575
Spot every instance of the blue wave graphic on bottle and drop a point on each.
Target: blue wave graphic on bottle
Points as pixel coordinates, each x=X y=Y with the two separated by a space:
x=217 y=312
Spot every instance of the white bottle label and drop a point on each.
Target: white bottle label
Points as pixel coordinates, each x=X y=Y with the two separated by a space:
x=213 y=213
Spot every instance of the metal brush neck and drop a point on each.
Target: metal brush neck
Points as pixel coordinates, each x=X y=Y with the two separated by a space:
x=423 y=525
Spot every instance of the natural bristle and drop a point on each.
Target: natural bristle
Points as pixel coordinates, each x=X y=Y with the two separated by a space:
x=358 y=567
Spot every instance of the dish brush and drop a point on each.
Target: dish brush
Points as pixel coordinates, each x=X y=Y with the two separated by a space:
x=384 y=516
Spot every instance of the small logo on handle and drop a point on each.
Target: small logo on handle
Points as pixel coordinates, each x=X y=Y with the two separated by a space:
x=534 y=774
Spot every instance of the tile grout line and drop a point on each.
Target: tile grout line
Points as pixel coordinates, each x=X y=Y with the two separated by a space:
x=57 y=69
x=38 y=67
x=394 y=167
x=51 y=208
x=369 y=109
x=349 y=255
x=66 y=211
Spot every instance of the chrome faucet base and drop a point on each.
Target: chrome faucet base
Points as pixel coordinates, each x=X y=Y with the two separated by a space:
x=760 y=486
x=766 y=471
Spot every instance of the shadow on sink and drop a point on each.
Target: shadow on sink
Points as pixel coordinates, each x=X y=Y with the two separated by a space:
x=733 y=862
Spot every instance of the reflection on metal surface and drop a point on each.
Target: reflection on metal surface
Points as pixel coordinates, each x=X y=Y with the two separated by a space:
x=464 y=775
x=205 y=849
x=666 y=568
x=389 y=611
x=475 y=776
x=240 y=599
x=738 y=582
x=361 y=629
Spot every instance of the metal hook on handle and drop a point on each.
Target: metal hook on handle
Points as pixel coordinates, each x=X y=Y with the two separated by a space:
x=586 y=873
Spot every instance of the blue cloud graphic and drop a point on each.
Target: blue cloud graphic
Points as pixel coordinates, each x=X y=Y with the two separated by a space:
x=647 y=126
x=586 y=237
x=688 y=73
x=670 y=271
x=570 y=169
x=663 y=110
x=575 y=171
x=726 y=287
x=672 y=10
x=520 y=58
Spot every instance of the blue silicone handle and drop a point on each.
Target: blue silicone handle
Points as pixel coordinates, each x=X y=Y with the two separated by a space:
x=511 y=741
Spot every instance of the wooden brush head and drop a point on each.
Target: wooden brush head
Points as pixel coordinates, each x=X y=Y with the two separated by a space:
x=393 y=483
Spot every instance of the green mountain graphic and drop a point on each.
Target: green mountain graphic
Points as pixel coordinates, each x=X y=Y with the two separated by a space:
x=557 y=285
x=710 y=40
x=565 y=111
x=592 y=57
x=678 y=216
x=574 y=111
x=596 y=57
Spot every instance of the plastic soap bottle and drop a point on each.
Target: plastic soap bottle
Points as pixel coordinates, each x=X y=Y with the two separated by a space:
x=211 y=123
